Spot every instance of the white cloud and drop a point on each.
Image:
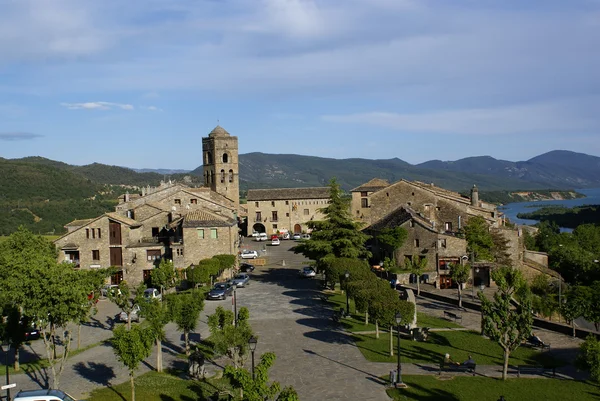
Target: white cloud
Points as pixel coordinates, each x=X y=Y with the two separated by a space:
x=152 y=108
x=542 y=118
x=18 y=136
x=97 y=106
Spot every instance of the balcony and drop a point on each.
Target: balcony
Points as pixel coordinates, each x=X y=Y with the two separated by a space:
x=74 y=262
x=149 y=240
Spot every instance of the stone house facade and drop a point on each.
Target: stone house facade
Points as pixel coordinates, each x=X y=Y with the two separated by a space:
x=281 y=210
x=173 y=221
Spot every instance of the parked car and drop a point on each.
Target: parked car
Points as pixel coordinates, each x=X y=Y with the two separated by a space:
x=241 y=280
x=297 y=236
x=152 y=293
x=274 y=236
x=307 y=272
x=32 y=333
x=255 y=233
x=285 y=236
x=220 y=291
x=248 y=254
x=110 y=289
x=275 y=242
x=305 y=236
x=135 y=315
x=262 y=237
x=43 y=395
x=246 y=267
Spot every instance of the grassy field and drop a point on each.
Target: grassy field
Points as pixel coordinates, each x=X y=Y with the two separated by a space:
x=460 y=388
x=153 y=386
x=459 y=344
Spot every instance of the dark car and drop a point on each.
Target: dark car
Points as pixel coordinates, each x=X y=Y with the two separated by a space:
x=32 y=333
x=246 y=267
x=220 y=291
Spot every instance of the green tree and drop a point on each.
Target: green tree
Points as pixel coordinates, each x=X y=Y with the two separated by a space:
x=259 y=388
x=185 y=310
x=417 y=266
x=335 y=269
x=479 y=239
x=164 y=276
x=229 y=339
x=589 y=357
x=93 y=279
x=460 y=274
x=592 y=312
x=131 y=347
x=392 y=239
x=544 y=296
x=122 y=298
x=529 y=241
x=336 y=236
x=500 y=248
x=502 y=322
x=157 y=316
x=577 y=302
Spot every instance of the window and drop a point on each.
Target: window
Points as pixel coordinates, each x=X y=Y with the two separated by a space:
x=208 y=158
x=222 y=175
x=93 y=233
x=255 y=204
x=387 y=194
x=306 y=212
x=153 y=254
x=178 y=201
x=225 y=158
x=87 y=233
x=179 y=251
x=413 y=194
x=287 y=203
x=364 y=202
x=272 y=203
x=194 y=201
x=200 y=233
x=364 y=193
x=273 y=216
x=416 y=242
x=213 y=233
x=443 y=243
x=448 y=226
x=437 y=208
x=258 y=216
x=411 y=223
x=99 y=233
x=274 y=226
x=96 y=254
x=230 y=175
x=287 y=215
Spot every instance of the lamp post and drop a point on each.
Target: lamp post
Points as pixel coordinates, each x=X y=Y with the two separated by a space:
x=252 y=344
x=234 y=301
x=347 y=275
x=6 y=349
x=399 y=382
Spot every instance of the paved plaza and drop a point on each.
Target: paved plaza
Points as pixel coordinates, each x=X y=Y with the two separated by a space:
x=320 y=361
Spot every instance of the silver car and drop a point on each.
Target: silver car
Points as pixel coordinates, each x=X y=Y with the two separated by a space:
x=240 y=280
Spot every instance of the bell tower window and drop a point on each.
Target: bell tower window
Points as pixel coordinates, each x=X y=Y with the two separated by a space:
x=225 y=158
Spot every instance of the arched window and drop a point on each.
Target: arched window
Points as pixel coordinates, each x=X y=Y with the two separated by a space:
x=208 y=158
x=222 y=175
x=206 y=178
x=225 y=158
x=230 y=175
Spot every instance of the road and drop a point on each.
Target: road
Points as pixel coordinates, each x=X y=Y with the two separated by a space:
x=286 y=314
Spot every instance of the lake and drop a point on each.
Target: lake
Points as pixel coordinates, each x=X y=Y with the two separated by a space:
x=510 y=210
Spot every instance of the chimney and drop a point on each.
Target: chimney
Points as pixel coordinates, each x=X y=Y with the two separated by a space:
x=474 y=196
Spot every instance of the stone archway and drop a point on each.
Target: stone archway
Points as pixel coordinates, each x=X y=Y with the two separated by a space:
x=297 y=229
x=259 y=228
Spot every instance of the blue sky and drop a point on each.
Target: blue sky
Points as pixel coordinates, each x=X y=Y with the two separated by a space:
x=138 y=83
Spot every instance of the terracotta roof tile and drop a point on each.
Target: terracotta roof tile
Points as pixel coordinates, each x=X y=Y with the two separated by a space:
x=374 y=185
x=200 y=218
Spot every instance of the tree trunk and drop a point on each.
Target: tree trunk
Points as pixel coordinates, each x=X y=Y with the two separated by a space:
x=17 y=365
x=129 y=321
x=186 y=339
x=376 y=329
x=159 y=367
x=459 y=295
x=366 y=318
x=418 y=285
x=573 y=326
x=132 y=386
x=505 y=367
x=391 y=340
x=78 y=335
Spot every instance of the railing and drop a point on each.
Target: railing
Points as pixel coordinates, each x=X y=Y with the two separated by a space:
x=149 y=240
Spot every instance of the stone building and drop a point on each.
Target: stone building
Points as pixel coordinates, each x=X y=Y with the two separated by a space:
x=173 y=221
x=282 y=210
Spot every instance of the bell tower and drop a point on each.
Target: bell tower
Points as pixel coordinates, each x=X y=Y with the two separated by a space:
x=220 y=164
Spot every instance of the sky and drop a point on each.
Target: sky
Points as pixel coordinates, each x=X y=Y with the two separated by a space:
x=138 y=83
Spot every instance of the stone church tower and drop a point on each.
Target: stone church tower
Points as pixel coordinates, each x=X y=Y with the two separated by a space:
x=220 y=163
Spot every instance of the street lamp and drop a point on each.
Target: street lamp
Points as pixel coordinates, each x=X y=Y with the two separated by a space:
x=6 y=348
x=347 y=275
x=399 y=382
x=252 y=344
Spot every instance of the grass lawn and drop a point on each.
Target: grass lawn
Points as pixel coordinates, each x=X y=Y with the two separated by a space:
x=337 y=300
x=430 y=388
x=153 y=386
x=459 y=344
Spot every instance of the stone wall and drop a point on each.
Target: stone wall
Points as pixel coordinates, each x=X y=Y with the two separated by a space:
x=541 y=258
x=290 y=213
x=197 y=248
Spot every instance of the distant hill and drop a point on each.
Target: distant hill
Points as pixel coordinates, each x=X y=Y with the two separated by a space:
x=162 y=171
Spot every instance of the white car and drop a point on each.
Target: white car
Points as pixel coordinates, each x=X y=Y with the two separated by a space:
x=297 y=236
x=248 y=254
x=43 y=395
x=135 y=315
x=255 y=234
x=152 y=293
x=262 y=237
x=305 y=236
x=275 y=241
x=307 y=272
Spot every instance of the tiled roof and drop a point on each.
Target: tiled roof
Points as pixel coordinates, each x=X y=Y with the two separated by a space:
x=123 y=219
x=200 y=218
x=78 y=223
x=218 y=131
x=69 y=246
x=288 y=193
x=374 y=185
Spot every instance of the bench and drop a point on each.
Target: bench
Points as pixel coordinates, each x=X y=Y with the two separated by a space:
x=457 y=368
x=453 y=315
x=534 y=343
x=534 y=370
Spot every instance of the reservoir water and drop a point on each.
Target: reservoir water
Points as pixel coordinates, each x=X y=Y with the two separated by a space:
x=510 y=210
